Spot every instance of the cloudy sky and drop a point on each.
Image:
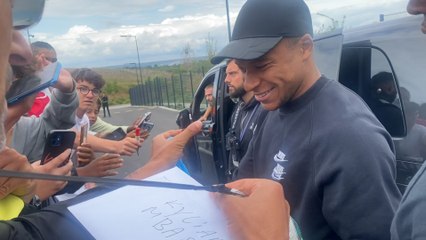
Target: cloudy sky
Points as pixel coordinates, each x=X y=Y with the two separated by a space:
x=87 y=33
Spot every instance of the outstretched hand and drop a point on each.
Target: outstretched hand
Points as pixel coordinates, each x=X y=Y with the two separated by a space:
x=102 y=166
x=262 y=214
x=85 y=154
x=45 y=188
x=165 y=151
x=13 y=161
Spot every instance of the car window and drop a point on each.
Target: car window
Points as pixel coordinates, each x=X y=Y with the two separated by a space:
x=200 y=103
x=327 y=53
x=404 y=47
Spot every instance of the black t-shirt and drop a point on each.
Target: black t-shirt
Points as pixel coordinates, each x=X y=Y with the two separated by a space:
x=334 y=160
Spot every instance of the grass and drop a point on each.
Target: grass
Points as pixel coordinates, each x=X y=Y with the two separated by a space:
x=120 y=80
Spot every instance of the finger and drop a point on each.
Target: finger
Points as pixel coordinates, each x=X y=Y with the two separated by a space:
x=84 y=155
x=193 y=129
x=112 y=166
x=36 y=163
x=110 y=156
x=55 y=162
x=246 y=186
x=81 y=149
x=64 y=170
x=131 y=142
x=109 y=173
x=86 y=145
x=19 y=187
x=169 y=134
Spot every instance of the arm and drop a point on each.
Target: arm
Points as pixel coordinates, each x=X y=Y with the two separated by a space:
x=165 y=153
x=100 y=126
x=356 y=175
x=207 y=113
x=59 y=113
x=127 y=146
x=263 y=214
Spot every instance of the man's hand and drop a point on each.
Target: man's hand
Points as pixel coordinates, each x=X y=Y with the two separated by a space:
x=262 y=214
x=144 y=134
x=85 y=154
x=45 y=188
x=102 y=166
x=65 y=82
x=165 y=151
x=13 y=161
x=128 y=146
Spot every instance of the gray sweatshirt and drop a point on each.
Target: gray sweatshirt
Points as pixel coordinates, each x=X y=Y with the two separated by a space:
x=30 y=133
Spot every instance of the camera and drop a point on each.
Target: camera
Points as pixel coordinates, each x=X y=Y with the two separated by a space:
x=232 y=142
x=56 y=140
x=207 y=128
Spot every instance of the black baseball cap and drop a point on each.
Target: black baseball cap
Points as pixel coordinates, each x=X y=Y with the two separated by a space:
x=261 y=24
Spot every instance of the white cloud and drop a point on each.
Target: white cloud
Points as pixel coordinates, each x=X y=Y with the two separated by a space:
x=168 y=8
x=169 y=27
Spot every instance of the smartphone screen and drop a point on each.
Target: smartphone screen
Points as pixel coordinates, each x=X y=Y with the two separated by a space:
x=147 y=126
x=46 y=77
x=56 y=143
x=117 y=135
x=145 y=118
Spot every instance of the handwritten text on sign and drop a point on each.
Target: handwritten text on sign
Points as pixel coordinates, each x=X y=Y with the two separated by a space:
x=166 y=215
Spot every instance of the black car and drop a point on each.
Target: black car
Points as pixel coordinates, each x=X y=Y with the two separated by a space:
x=353 y=57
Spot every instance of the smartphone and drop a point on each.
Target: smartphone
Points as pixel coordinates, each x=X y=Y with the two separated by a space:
x=116 y=135
x=83 y=133
x=144 y=118
x=147 y=126
x=56 y=143
x=47 y=77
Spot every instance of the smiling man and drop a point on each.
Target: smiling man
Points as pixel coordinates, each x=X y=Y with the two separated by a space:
x=332 y=156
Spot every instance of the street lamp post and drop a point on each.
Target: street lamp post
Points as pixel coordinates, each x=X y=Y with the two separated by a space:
x=229 y=22
x=139 y=59
x=138 y=92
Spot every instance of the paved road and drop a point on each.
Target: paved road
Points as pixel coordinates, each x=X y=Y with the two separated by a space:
x=163 y=118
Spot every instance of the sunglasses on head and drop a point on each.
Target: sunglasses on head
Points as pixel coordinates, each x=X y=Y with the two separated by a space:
x=26 y=13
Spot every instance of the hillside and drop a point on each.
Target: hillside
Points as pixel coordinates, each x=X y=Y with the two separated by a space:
x=120 y=79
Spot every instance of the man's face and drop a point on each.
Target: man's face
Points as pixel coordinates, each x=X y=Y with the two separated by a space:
x=208 y=94
x=416 y=7
x=278 y=76
x=235 y=80
x=89 y=99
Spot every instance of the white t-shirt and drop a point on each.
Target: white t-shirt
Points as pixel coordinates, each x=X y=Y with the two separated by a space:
x=81 y=122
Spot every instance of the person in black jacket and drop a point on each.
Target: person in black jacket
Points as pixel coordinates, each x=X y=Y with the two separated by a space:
x=105 y=104
x=248 y=115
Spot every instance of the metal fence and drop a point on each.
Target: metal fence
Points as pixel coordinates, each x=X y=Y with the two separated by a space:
x=176 y=91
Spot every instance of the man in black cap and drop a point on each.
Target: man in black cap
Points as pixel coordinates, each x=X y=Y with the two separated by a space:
x=320 y=140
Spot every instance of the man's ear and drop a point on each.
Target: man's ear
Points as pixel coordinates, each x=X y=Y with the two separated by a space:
x=306 y=45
